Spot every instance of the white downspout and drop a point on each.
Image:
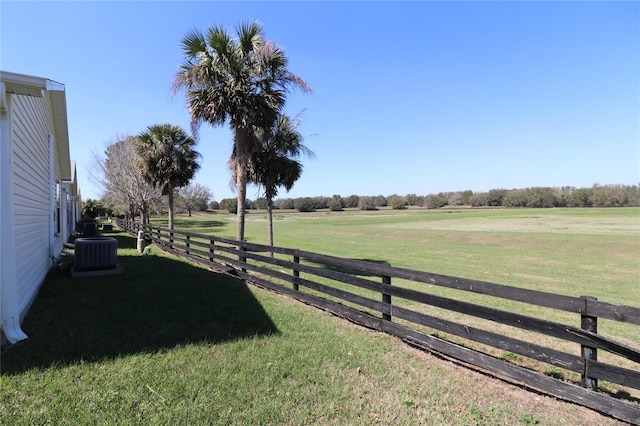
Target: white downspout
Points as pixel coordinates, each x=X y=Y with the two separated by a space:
x=52 y=196
x=64 y=215
x=73 y=202
x=9 y=311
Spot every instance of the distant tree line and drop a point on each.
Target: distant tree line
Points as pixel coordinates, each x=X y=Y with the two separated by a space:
x=534 y=197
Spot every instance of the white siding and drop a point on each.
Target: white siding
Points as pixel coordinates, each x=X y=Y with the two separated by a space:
x=31 y=125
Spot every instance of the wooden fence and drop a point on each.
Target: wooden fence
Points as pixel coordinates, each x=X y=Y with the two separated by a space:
x=429 y=310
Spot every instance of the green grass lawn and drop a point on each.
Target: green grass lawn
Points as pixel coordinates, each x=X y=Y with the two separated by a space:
x=169 y=343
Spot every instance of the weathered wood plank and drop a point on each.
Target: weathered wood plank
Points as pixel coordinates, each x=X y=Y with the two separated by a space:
x=530 y=350
x=539 y=298
x=222 y=264
x=551 y=300
x=621 y=313
x=320 y=272
x=614 y=374
x=549 y=328
x=333 y=307
x=322 y=288
x=599 y=341
x=346 y=296
x=195 y=253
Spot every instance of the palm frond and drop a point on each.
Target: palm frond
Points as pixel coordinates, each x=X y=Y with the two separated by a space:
x=219 y=41
x=193 y=43
x=250 y=36
x=167 y=156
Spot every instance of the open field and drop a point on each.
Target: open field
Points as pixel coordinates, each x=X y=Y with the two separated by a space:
x=568 y=251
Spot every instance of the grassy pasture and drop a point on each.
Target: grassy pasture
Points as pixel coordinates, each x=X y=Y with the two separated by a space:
x=567 y=251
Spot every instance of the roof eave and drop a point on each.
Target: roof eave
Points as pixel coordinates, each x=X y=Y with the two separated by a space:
x=22 y=84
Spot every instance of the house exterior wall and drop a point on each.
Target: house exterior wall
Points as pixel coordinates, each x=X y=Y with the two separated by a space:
x=38 y=191
x=34 y=227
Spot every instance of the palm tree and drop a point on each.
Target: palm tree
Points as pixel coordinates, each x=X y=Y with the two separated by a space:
x=274 y=161
x=242 y=81
x=168 y=160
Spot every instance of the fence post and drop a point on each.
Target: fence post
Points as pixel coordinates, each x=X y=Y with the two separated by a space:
x=187 y=244
x=296 y=273
x=140 y=242
x=159 y=235
x=242 y=258
x=588 y=323
x=386 y=298
x=171 y=238
x=211 y=244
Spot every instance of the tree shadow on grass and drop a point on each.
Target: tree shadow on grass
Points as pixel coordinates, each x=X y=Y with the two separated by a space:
x=157 y=304
x=200 y=224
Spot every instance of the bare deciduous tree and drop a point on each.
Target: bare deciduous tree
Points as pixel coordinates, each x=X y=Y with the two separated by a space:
x=194 y=197
x=119 y=176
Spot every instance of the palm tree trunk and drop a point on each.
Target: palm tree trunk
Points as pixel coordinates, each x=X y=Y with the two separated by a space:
x=241 y=187
x=241 y=142
x=270 y=223
x=170 y=189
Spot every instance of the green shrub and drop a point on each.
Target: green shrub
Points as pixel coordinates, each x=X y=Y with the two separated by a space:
x=479 y=199
x=229 y=204
x=414 y=200
x=259 y=204
x=397 y=202
x=433 y=201
x=304 y=204
x=284 y=204
x=351 y=201
x=367 y=203
x=336 y=203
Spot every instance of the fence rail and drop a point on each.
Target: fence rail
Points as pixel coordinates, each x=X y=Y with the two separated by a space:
x=402 y=302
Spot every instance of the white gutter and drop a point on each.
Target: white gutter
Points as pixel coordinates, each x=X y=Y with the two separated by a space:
x=3 y=97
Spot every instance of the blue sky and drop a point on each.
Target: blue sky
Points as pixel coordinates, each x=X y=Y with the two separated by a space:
x=408 y=97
